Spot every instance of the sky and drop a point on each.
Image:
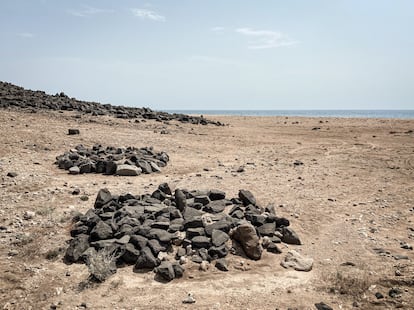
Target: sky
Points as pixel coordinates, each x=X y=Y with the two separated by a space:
x=214 y=54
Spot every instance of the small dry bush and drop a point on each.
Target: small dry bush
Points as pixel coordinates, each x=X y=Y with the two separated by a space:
x=101 y=265
x=350 y=281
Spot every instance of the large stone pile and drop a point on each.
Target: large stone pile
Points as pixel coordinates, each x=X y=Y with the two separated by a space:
x=128 y=161
x=163 y=231
x=16 y=96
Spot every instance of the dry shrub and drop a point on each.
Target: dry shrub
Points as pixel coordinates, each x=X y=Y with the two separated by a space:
x=350 y=281
x=101 y=265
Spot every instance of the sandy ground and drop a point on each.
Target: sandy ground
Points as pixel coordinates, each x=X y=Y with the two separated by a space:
x=351 y=201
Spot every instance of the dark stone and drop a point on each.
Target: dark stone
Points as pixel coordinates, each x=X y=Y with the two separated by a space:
x=378 y=295
x=110 y=167
x=216 y=206
x=290 y=236
x=219 y=237
x=165 y=188
x=161 y=225
x=178 y=270
x=166 y=271
x=193 y=222
x=218 y=252
x=156 y=247
x=180 y=252
x=203 y=253
x=180 y=200
x=282 y=222
x=145 y=166
x=194 y=232
x=204 y=200
x=77 y=246
x=221 y=264
x=191 y=212
x=138 y=241
x=267 y=229
x=130 y=255
x=201 y=242
x=247 y=197
x=146 y=260
x=323 y=306
x=103 y=197
x=101 y=231
x=246 y=235
x=394 y=292
x=222 y=225
x=273 y=248
x=216 y=194
x=12 y=174
x=160 y=234
x=72 y=131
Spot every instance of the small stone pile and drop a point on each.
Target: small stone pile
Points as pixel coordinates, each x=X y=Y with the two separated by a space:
x=128 y=161
x=165 y=230
x=13 y=96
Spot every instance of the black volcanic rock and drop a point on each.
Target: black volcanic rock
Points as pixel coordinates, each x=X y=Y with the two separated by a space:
x=13 y=96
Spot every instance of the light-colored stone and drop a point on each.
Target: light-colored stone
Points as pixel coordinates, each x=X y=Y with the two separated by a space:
x=296 y=261
x=128 y=170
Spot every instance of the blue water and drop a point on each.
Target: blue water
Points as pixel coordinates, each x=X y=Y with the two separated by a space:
x=402 y=114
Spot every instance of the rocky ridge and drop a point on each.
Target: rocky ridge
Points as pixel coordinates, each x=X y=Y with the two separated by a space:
x=13 y=96
x=163 y=231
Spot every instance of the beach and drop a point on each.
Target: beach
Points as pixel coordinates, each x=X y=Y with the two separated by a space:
x=346 y=186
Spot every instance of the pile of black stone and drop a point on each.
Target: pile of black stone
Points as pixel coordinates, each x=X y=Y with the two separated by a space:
x=164 y=231
x=128 y=161
x=16 y=96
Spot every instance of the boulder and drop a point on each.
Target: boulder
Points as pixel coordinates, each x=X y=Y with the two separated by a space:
x=246 y=235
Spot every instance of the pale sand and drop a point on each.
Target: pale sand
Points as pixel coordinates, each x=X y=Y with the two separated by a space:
x=354 y=193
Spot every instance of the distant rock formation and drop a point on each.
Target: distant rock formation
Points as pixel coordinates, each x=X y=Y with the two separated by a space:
x=15 y=96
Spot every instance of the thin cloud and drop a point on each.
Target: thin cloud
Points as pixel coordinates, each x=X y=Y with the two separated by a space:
x=217 y=29
x=87 y=10
x=264 y=39
x=27 y=35
x=148 y=14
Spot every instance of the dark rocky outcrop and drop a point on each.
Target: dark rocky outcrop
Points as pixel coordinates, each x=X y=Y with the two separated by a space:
x=13 y=96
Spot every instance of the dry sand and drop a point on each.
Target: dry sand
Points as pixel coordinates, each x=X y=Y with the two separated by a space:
x=353 y=194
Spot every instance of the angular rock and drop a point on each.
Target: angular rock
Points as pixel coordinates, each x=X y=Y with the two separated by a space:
x=247 y=197
x=216 y=194
x=267 y=229
x=201 y=242
x=221 y=264
x=296 y=261
x=77 y=246
x=219 y=237
x=289 y=236
x=127 y=170
x=101 y=231
x=166 y=271
x=103 y=197
x=246 y=235
x=131 y=254
x=146 y=259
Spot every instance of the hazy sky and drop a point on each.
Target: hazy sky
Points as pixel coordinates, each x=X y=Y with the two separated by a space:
x=214 y=54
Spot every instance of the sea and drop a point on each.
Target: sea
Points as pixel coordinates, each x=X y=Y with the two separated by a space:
x=400 y=114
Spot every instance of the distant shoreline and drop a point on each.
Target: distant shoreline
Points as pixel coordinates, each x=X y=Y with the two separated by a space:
x=388 y=114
